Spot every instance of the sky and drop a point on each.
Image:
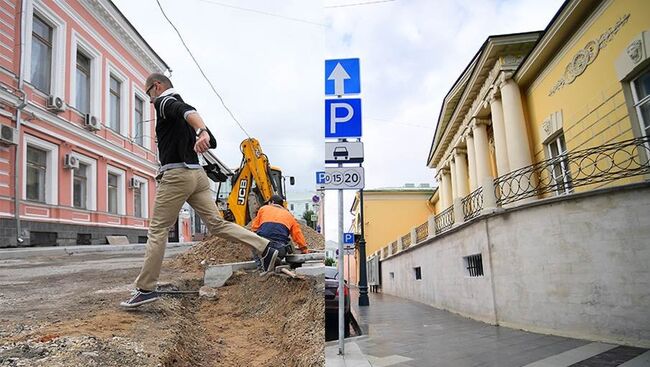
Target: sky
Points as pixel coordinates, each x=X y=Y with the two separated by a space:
x=266 y=60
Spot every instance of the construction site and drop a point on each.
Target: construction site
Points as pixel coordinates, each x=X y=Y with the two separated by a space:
x=62 y=310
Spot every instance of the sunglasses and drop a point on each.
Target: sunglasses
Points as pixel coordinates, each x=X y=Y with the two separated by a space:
x=149 y=89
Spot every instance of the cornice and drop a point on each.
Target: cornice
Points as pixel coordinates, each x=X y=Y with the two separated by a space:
x=124 y=32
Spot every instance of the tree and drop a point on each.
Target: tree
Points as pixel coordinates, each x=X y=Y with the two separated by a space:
x=329 y=261
x=307 y=217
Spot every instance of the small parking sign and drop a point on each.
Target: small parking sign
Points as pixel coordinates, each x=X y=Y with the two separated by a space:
x=348 y=238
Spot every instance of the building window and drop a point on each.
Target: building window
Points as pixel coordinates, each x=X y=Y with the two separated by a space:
x=561 y=176
x=392 y=275
x=641 y=94
x=292 y=207
x=114 y=104
x=83 y=83
x=80 y=187
x=418 y=273
x=113 y=191
x=138 y=118
x=137 y=202
x=474 y=265
x=41 y=69
x=36 y=174
x=306 y=206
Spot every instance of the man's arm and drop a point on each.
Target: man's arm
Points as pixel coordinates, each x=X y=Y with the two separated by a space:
x=298 y=238
x=171 y=107
x=203 y=142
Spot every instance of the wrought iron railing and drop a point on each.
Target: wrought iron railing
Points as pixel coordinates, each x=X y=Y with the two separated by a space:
x=422 y=232
x=473 y=204
x=393 y=248
x=406 y=241
x=573 y=169
x=444 y=220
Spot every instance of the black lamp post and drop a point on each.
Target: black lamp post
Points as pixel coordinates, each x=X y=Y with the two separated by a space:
x=363 y=281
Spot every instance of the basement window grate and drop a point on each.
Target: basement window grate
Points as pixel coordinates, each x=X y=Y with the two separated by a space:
x=474 y=265
x=418 y=273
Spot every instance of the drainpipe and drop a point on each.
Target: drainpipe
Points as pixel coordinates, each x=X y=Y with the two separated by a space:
x=17 y=193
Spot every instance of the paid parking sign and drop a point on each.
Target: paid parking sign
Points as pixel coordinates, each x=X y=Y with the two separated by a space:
x=348 y=238
x=343 y=178
x=343 y=118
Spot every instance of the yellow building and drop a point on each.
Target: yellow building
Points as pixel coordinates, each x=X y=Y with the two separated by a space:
x=541 y=152
x=550 y=113
x=389 y=213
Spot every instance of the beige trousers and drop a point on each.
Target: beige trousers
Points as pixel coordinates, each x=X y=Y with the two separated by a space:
x=177 y=186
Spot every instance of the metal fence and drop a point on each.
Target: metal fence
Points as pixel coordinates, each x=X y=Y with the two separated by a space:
x=406 y=241
x=422 y=232
x=473 y=204
x=573 y=169
x=444 y=220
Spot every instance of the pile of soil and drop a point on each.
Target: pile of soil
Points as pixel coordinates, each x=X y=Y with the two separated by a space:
x=215 y=250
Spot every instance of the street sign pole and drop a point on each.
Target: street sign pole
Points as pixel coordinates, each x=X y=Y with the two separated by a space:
x=363 y=278
x=341 y=279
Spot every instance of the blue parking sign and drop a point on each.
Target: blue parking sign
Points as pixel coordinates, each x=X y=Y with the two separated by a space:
x=348 y=238
x=343 y=118
x=320 y=178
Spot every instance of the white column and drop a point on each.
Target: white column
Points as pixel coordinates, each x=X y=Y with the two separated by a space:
x=446 y=193
x=479 y=128
x=515 y=125
x=462 y=186
x=471 y=163
x=454 y=184
x=500 y=145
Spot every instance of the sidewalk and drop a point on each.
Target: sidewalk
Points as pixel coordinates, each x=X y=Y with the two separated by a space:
x=25 y=252
x=405 y=333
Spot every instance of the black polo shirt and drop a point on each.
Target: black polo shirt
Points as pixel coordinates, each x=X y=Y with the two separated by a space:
x=176 y=137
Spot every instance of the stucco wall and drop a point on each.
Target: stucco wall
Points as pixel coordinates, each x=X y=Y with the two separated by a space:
x=576 y=267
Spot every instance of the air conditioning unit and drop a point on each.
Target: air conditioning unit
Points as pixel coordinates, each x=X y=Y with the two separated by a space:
x=135 y=184
x=71 y=162
x=92 y=123
x=8 y=135
x=55 y=103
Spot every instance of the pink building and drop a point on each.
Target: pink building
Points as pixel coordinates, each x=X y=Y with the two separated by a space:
x=77 y=145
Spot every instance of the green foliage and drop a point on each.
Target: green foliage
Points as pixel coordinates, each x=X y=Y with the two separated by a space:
x=307 y=217
x=329 y=261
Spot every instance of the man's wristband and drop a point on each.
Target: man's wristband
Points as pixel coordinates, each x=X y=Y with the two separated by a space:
x=200 y=130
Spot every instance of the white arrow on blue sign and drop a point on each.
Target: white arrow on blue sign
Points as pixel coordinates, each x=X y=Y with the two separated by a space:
x=343 y=118
x=348 y=238
x=342 y=77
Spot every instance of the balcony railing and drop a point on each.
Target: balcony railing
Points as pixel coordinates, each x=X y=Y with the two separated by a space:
x=444 y=220
x=560 y=175
x=473 y=204
x=422 y=232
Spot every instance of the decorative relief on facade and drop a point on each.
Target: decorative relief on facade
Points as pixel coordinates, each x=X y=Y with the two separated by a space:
x=634 y=51
x=587 y=55
x=551 y=125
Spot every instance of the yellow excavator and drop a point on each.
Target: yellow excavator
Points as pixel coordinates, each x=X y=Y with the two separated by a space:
x=249 y=187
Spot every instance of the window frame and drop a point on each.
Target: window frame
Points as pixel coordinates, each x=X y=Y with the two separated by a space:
x=124 y=100
x=144 y=193
x=91 y=182
x=79 y=44
x=562 y=163
x=147 y=140
x=121 y=190
x=58 y=62
x=636 y=103
x=52 y=171
x=88 y=73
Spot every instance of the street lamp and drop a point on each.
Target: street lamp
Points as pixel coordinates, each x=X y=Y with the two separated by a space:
x=363 y=281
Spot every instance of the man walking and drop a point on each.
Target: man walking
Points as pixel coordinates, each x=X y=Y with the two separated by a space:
x=182 y=135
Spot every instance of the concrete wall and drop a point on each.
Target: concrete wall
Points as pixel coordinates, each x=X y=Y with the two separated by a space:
x=575 y=267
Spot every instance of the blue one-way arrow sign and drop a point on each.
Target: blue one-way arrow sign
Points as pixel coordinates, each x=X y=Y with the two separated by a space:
x=342 y=77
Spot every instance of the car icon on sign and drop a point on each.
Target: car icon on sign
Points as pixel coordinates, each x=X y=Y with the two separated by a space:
x=341 y=154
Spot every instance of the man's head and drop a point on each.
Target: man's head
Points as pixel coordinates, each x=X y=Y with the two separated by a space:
x=276 y=199
x=156 y=84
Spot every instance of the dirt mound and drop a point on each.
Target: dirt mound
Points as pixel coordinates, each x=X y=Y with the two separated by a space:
x=215 y=250
x=266 y=321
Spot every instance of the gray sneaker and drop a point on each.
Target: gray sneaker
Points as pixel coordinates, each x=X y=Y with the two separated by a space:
x=140 y=298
